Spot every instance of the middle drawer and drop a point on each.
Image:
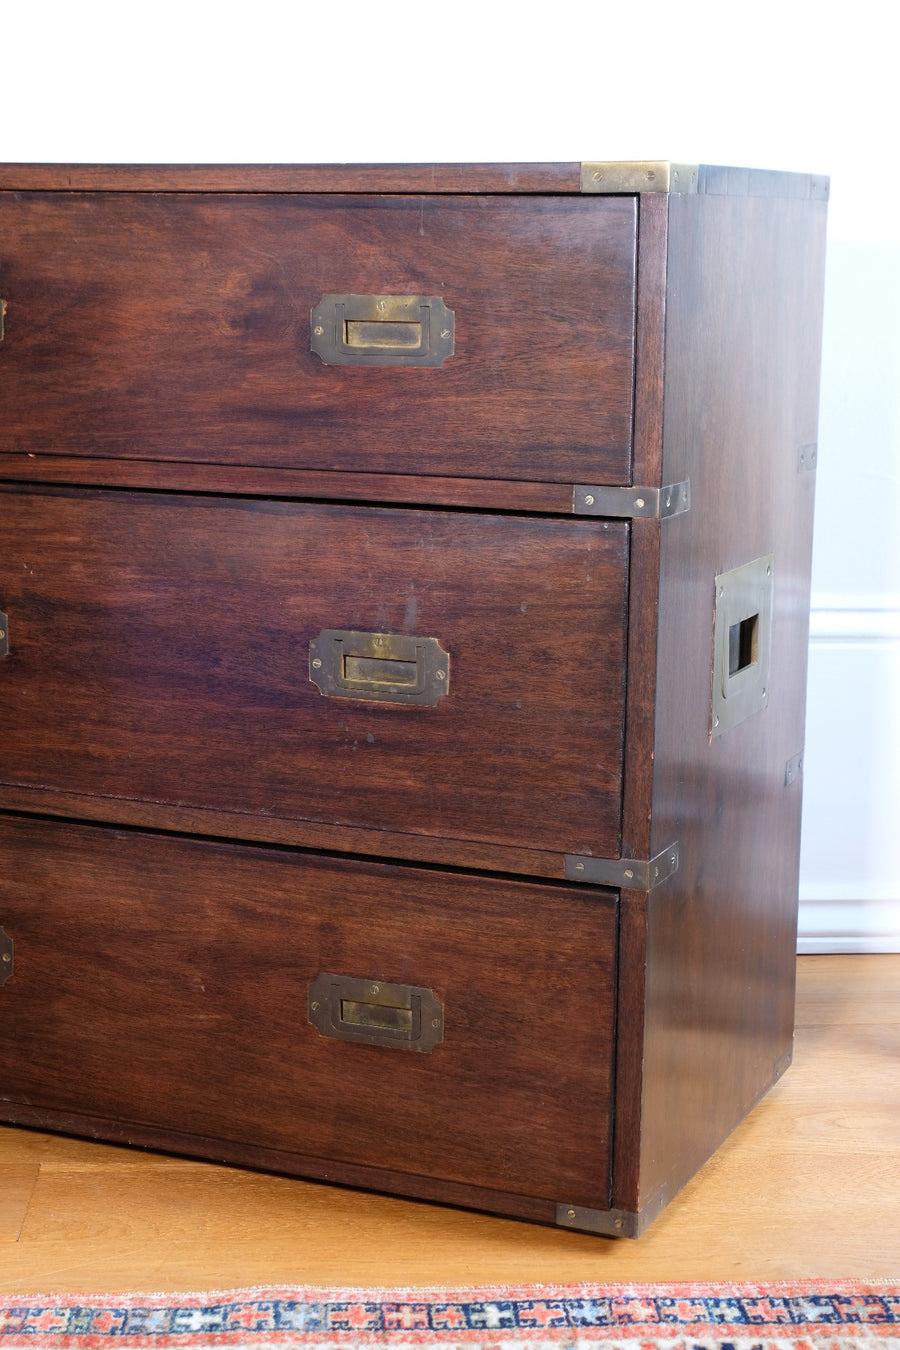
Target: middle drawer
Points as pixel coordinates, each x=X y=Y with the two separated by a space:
x=436 y=673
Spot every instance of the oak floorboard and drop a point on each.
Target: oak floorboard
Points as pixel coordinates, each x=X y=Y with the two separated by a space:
x=17 y=1181
x=808 y=1185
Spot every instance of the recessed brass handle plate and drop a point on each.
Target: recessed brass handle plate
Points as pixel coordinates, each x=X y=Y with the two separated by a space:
x=382 y=330
x=373 y=1012
x=379 y=667
x=742 y=643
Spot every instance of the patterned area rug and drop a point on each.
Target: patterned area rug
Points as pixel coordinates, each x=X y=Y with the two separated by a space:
x=811 y=1315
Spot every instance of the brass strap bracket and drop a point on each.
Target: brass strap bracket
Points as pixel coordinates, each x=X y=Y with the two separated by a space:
x=6 y=957
x=643 y=503
x=793 y=769
x=626 y=874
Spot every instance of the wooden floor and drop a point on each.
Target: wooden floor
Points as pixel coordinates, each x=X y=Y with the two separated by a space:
x=808 y=1186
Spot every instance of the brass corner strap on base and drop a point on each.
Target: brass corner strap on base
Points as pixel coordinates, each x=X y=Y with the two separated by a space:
x=604 y=1222
x=625 y=874
x=612 y=1222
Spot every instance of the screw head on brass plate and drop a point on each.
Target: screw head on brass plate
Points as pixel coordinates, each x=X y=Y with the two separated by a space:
x=7 y=965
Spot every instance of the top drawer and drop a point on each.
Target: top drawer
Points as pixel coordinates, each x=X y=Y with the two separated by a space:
x=179 y=326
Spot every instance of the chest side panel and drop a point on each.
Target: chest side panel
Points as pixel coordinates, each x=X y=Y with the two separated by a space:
x=744 y=340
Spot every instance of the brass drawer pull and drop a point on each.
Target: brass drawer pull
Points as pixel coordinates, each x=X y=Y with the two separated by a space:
x=384 y=667
x=382 y=330
x=4 y=635
x=371 y=1012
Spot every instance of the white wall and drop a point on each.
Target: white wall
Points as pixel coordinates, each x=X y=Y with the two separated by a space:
x=779 y=85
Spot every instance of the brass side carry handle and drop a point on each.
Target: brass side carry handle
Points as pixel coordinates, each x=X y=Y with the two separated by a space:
x=379 y=667
x=382 y=330
x=742 y=638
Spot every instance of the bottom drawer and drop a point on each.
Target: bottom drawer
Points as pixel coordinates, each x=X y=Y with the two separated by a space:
x=163 y=989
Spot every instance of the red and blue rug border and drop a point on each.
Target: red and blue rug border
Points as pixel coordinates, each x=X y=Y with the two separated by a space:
x=811 y=1313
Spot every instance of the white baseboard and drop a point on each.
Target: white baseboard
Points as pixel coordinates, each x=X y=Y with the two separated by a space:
x=846 y=944
x=834 y=923
x=849 y=891
x=856 y=618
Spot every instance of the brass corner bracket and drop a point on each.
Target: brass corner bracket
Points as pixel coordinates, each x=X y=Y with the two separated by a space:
x=640 y=503
x=641 y=175
x=626 y=874
x=630 y=177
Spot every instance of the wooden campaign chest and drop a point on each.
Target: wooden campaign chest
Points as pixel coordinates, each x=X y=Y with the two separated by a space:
x=404 y=582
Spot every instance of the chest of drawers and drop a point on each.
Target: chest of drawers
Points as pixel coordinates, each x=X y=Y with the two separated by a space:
x=404 y=577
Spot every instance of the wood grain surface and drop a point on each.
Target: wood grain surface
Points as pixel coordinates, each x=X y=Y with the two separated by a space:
x=160 y=636
x=178 y=327
x=546 y=178
x=743 y=325
x=160 y=651
x=806 y=1187
x=161 y=985
x=344 y=178
x=484 y=494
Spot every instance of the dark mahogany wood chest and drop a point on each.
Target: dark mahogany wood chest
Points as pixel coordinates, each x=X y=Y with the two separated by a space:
x=404 y=577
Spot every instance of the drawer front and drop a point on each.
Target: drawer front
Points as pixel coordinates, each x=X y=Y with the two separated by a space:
x=164 y=982
x=179 y=327
x=161 y=650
